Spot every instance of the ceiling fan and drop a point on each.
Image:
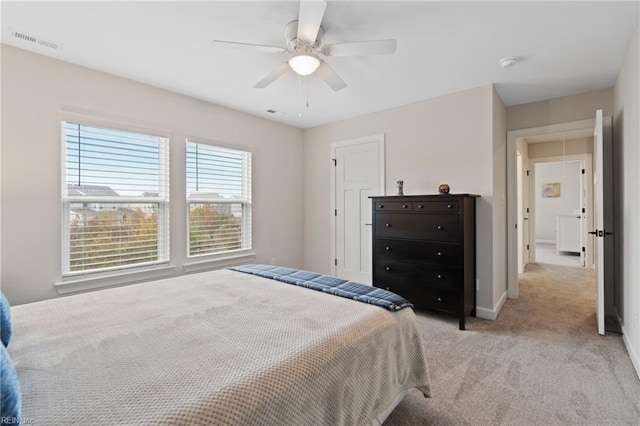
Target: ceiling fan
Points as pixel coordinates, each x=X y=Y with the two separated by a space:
x=305 y=51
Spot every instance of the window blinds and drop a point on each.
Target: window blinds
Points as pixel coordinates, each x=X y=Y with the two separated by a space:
x=219 y=199
x=115 y=198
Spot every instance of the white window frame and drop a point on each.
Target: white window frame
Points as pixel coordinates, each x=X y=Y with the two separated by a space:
x=72 y=281
x=229 y=257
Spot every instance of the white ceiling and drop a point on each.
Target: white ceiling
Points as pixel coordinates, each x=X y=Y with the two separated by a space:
x=443 y=47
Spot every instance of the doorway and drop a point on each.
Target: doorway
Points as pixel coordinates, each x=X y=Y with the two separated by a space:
x=598 y=133
x=561 y=203
x=523 y=141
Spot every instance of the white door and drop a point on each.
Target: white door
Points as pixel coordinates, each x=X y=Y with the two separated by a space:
x=598 y=179
x=359 y=174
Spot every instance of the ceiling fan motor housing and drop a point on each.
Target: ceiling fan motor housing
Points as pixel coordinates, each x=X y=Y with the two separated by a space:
x=291 y=38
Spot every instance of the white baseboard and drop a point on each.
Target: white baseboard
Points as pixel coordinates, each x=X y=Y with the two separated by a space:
x=491 y=314
x=546 y=242
x=630 y=349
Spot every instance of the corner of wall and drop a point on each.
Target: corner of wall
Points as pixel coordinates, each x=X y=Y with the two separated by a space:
x=492 y=314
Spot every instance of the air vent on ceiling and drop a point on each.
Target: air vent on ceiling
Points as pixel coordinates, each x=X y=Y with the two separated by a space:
x=29 y=38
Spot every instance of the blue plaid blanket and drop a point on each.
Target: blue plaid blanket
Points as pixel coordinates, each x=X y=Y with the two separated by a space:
x=343 y=288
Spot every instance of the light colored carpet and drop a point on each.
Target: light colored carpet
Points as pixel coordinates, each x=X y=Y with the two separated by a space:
x=540 y=363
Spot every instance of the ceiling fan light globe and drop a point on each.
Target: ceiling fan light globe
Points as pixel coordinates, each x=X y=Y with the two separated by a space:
x=304 y=63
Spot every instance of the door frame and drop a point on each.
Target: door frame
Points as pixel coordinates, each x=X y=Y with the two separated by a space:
x=380 y=139
x=512 y=201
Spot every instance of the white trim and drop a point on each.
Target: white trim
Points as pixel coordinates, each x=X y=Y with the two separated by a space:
x=219 y=262
x=512 y=199
x=97 y=281
x=380 y=138
x=217 y=144
x=102 y=119
x=545 y=241
x=635 y=360
x=492 y=314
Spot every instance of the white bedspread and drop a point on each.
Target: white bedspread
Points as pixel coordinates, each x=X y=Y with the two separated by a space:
x=216 y=348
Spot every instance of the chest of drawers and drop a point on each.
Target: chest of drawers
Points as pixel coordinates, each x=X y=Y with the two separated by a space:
x=424 y=248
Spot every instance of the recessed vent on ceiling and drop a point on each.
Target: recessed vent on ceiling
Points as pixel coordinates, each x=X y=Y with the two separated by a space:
x=30 y=38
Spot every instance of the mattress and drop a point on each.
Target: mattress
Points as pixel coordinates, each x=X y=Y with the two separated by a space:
x=219 y=347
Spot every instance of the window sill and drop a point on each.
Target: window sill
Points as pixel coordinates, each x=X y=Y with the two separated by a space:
x=219 y=262
x=86 y=282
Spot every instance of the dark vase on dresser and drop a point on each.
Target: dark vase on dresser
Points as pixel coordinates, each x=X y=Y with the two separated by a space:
x=424 y=248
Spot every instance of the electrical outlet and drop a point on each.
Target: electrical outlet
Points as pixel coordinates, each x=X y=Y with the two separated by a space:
x=273 y=260
x=477 y=284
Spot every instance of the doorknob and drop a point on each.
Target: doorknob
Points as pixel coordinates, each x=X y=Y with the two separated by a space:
x=594 y=233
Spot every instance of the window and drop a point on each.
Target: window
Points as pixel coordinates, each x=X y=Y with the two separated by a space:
x=218 y=199
x=115 y=199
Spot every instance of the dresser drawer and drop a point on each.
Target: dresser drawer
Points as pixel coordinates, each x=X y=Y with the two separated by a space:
x=419 y=275
x=434 y=227
x=394 y=206
x=444 y=254
x=436 y=206
x=441 y=300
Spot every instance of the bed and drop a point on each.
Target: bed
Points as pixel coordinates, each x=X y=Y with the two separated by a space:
x=221 y=347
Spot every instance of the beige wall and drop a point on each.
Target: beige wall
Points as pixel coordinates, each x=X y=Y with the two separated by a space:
x=554 y=148
x=34 y=90
x=451 y=139
x=560 y=110
x=626 y=134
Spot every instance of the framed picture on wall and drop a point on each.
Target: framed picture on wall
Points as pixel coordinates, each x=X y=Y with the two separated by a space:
x=550 y=190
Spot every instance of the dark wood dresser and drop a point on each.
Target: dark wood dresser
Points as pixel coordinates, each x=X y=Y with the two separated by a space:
x=424 y=248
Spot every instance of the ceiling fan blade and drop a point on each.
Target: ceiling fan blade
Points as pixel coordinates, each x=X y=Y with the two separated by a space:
x=309 y=19
x=272 y=76
x=246 y=46
x=330 y=77
x=361 y=48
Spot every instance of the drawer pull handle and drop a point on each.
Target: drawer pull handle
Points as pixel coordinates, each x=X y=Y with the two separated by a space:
x=420 y=206
x=381 y=206
x=388 y=225
x=387 y=268
x=439 y=253
x=439 y=276
x=387 y=248
x=440 y=227
x=439 y=299
x=449 y=206
x=404 y=206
